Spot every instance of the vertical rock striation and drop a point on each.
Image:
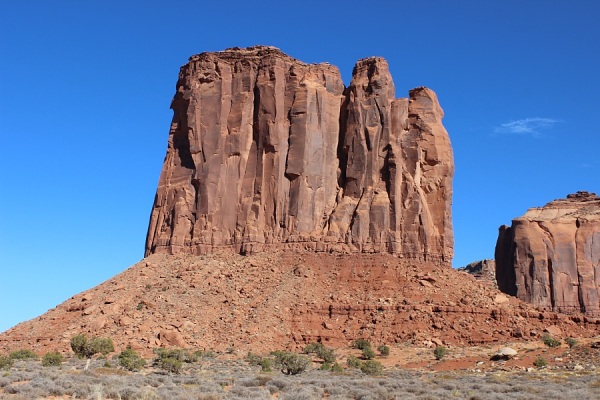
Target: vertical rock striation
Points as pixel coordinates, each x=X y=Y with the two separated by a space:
x=551 y=255
x=268 y=152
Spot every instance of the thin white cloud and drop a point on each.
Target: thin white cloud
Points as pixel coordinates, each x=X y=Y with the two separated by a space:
x=528 y=126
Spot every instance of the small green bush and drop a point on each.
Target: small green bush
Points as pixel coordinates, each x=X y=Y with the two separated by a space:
x=327 y=355
x=324 y=353
x=313 y=348
x=371 y=367
x=79 y=345
x=86 y=348
x=266 y=365
x=368 y=353
x=570 y=342
x=361 y=344
x=440 y=352
x=551 y=342
x=337 y=368
x=23 y=355
x=52 y=359
x=253 y=359
x=130 y=360
x=171 y=365
x=6 y=362
x=353 y=362
x=540 y=362
x=102 y=345
x=172 y=360
x=290 y=363
x=177 y=354
x=325 y=366
x=383 y=350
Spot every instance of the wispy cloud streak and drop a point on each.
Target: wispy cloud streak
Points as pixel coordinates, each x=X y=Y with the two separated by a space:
x=528 y=126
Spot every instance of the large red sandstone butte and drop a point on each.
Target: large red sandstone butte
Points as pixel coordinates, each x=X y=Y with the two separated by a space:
x=266 y=152
x=550 y=256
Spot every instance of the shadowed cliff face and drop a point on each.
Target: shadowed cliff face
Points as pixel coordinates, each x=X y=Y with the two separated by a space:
x=266 y=152
x=551 y=256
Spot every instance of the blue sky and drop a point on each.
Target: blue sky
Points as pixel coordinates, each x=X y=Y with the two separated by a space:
x=85 y=89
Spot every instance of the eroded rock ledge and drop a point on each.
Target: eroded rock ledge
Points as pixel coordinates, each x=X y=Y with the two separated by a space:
x=551 y=255
x=267 y=152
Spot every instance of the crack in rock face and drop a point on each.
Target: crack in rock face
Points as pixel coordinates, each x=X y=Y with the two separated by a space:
x=266 y=152
x=550 y=256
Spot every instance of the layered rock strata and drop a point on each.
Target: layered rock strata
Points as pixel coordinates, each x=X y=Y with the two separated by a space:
x=551 y=255
x=266 y=152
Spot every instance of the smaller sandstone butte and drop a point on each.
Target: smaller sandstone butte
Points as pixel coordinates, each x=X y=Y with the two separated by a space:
x=550 y=256
x=266 y=152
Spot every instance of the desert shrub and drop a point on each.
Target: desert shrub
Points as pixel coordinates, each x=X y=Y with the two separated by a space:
x=181 y=354
x=325 y=366
x=6 y=362
x=383 y=350
x=102 y=345
x=266 y=365
x=337 y=368
x=440 y=352
x=253 y=359
x=171 y=365
x=170 y=360
x=196 y=356
x=551 y=342
x=290 y=363
x=86 y=348
x=368 y=353
x=320 y=350
x=313 y=348
x=79 y=345
x=353 y=362
x=361 y=344
x=327 y=355
x=130 y=360
x=371 y=367
x=23 y=355
x=52 y=359
x=540 y=362
x=570 y=342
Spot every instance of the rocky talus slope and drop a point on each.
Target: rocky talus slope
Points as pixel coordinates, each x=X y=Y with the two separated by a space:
x=266 y=152
x=275 y=300
x=550 y=256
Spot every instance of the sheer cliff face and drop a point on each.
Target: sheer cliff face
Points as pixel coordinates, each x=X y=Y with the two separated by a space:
x=267 y=152
x=551 y=256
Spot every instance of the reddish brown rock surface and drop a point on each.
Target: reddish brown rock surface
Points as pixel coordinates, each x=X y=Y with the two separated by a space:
x=274 y=300
x=266 y=152
x=550 y=256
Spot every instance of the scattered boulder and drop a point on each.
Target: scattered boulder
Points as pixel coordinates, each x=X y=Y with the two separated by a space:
x=505 y=353
x=553 y=330
x=172 y=338
x=500 y=299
